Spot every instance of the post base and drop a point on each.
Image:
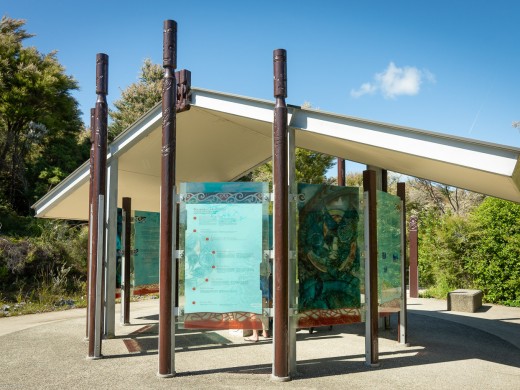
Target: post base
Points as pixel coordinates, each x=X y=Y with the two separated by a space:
x=94 y=357
x=275 y=378
x=166 y=376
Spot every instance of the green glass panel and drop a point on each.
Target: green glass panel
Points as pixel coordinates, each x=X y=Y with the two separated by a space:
x=329 y=255
x=146 y=248
x=389 y=249
x=223 y=230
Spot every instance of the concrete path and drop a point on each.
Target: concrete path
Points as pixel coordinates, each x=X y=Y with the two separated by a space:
x=447 y=350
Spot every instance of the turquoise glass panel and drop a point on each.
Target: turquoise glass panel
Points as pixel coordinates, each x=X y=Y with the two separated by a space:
x=223 y=230
x=389 y=249
x=330 y=244
x=146 y=248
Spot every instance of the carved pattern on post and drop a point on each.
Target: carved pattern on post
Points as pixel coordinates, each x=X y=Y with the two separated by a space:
x=183 y=78
x=413 y=222
x=170 y=44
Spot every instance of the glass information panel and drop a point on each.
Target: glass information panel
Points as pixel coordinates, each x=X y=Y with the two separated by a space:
x=146 y=248
x=223 y=230
x=330 y=242
x=389 y=250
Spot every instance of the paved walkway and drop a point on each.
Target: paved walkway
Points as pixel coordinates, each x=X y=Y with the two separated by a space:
x=448 y=350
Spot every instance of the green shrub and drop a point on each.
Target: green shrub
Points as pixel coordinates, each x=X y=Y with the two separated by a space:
x=53 y=262
x=493 y=258
x=443 y=242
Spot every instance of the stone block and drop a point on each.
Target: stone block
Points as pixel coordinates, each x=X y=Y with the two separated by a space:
x=464 y=300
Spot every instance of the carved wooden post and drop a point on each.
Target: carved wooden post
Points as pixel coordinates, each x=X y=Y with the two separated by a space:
x=281 y=215
x=125 y=261
x=341 y=172
x=97 y=244
x=413 y=278
x=384 y=180
x=91 y=175
x=167 y=240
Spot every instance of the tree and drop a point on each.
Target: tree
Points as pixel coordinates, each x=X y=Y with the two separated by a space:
x=137 y=98
x=425 y=195
x=310 y=167
x=39 y=120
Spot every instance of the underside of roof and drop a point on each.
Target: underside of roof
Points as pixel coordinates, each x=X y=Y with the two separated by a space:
x=224 y=136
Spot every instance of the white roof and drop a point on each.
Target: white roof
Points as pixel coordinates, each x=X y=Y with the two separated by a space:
x=224 y=136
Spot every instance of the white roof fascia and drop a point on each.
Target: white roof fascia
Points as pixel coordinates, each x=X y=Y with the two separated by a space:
x=68 y=185
x=257 y=109
x=140 y=129
x=483 y=156
x=125 y=140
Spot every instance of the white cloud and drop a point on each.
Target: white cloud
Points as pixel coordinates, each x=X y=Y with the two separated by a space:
x=395 y=81
x=365 y=88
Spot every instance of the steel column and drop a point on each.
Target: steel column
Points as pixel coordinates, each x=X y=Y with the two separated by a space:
x=97 y=244
x=403 y=314
x=414 y=255
x=111 y=249
x=371 y=302
x=168 y=153
x=280 y=218
x=341 y=172
x=125 y=261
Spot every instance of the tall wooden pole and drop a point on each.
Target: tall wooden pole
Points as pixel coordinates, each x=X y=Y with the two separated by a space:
x=168 y=152
x=414 y=255
x=281 y=215
x=125 y=277
x=91 y=175
x=372 y=315
x=341 y=172
x=97 y=242
x=384 y=180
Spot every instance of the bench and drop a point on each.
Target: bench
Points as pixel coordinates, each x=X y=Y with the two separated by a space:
x=464 y=300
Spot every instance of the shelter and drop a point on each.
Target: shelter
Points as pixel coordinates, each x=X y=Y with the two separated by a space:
x=224 y=136
x=221 y=138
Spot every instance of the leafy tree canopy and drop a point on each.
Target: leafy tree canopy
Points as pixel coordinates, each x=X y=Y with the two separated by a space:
x=39 y=120
x=137 y=99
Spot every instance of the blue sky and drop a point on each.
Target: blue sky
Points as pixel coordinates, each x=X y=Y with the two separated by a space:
x=445 y=66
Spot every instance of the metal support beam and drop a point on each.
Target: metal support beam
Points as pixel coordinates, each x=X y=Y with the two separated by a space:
x=380 y=177
x=125 y=261
x=371 y=302
x=341 y=172
x=403 y=314
x=414 y=274
x=168 y=154
x=111 y=249
x=97 y=216
x=280 y=220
